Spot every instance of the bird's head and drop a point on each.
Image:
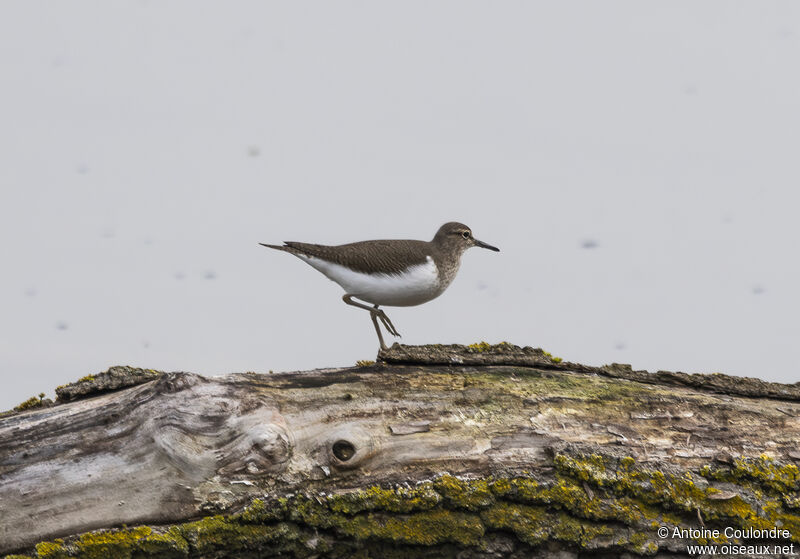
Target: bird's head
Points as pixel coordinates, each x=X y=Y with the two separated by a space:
x=454 y=235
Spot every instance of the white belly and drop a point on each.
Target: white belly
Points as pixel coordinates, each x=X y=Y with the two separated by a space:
x=417 y=285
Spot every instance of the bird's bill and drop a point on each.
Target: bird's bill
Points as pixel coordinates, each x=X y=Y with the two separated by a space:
x=484 y=245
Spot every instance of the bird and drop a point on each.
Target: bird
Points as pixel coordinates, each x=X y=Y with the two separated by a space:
x=392 y=272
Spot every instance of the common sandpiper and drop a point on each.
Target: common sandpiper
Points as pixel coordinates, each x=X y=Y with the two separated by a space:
x=392 y=273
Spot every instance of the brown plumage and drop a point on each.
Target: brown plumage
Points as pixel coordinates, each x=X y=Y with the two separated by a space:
x=368 y=257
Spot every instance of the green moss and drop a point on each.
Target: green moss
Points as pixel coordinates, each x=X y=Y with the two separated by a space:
x=683 y=493
x=464 y=494
x=429 y=527
x=528 y=523
x=569 y=494
x=263 y=512
x=552 y=358
x=582 y=503
x=169 y=545
x=535 y=525
x=31 y=403
x=578 y=531
x=87 y=378
x=641 y=543
x=364 y=363
x=482 y=346
x=762 y=471
x=402 y=500
x=124 y=544
x=638 y=539
x=651 y=486
x=500 y=486
x=598 y=396
x=221 y=533
x=51 y=550
x=422 y=528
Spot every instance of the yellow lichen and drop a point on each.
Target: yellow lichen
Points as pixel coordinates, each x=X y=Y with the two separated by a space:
x=761 y=471
x=220 y=533
x=51 y=550
x=422 y=497
x=682 y=493
x=422 y=528
x=551 y=357
x=535 y=525
x=464 y=494
x=31 y=403
x=119 y=544
x=480 y=347
x=526 y=522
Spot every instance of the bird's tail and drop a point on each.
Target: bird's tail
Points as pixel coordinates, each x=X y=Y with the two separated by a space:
x=285 y=248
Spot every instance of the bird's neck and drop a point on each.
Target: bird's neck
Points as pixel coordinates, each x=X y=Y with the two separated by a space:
x=447 y=262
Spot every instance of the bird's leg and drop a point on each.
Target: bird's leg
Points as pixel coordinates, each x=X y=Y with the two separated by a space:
x=386 y=322
x=375 y=314
x=378 y=330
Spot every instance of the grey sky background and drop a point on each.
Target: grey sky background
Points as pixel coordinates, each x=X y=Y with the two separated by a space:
x=637 y=163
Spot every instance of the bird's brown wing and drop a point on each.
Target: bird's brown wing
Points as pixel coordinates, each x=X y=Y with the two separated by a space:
x=370 y=257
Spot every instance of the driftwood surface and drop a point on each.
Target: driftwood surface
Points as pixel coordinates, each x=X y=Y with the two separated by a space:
x=438 y=451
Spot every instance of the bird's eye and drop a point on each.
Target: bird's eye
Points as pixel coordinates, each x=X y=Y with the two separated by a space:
x=465 y=234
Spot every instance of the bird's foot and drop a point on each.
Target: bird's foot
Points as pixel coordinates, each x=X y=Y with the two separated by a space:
x=387 y=323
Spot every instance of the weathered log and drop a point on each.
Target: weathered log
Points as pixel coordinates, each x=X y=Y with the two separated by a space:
x=434 y=451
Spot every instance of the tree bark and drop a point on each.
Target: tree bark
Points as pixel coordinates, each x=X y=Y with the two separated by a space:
x=434 y=451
